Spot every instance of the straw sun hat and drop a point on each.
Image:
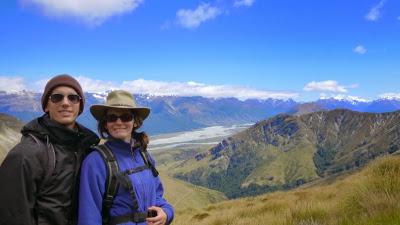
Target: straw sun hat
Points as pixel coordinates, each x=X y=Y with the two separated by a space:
x=119 y=99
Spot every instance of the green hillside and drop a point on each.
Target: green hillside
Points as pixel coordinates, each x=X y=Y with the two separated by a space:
x=289 y=150
x=367 y=197
x=181 y=194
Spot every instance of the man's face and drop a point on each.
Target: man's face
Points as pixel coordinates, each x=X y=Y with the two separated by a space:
x=64 y=112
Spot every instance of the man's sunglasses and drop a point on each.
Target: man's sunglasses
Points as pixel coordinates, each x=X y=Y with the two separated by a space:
x=56 y=98
x=126 y=117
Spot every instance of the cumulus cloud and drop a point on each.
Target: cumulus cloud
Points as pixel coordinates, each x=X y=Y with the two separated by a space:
x=193 y=18
x=152 y=87
x=328 y=85
x=375 y=12
x=360 y=50
x=199 y=89
x=239 y=3
x=12 y=84
x=96 y=86
x=91 y=12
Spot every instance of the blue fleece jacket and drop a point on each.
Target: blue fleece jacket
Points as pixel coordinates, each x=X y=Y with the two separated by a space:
x=148 y=189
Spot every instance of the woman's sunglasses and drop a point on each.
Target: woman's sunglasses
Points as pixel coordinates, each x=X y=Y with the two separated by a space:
x=126 y=117
x=56 y=98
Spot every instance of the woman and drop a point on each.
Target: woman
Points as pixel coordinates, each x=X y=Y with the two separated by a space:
x=138 y=198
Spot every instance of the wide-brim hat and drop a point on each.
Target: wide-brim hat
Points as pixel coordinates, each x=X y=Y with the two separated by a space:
x=119 y=99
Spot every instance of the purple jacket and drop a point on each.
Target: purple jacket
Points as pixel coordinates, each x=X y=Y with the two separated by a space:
x=148 y=189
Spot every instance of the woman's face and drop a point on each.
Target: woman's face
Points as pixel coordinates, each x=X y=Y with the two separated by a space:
x=119 y=124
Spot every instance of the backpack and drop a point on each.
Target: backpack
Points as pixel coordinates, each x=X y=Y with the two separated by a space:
x=115 y=178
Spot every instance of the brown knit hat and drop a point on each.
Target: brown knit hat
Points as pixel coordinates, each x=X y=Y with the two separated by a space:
x=62 y=80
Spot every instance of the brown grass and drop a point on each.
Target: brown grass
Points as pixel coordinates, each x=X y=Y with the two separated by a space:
x=369 y=197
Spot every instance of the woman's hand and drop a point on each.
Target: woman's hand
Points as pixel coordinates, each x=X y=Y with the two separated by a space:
x=160 y=219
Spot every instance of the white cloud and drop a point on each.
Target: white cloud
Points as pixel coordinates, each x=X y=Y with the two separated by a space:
x=360 y=50
x=151 y=87
x=161 y=88
x=88 y=85
x=193 y=18
x=328 y=85
x=40 y=84
x=375 y=12
x=96 y=86
x=239 y=3
x=12 y=84
x=390 y=96
x=91 y=12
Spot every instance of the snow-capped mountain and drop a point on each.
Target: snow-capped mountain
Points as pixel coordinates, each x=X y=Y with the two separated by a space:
x=176 y=113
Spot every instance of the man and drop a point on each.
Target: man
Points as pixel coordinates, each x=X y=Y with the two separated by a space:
x=38 y=177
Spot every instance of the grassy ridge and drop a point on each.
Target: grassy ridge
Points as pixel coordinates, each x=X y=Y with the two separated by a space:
x=183 y=195
x=286 y=151
x=369 y=197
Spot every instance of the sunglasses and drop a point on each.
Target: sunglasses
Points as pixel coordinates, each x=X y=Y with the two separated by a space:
x=56 y=98
x=126 y=117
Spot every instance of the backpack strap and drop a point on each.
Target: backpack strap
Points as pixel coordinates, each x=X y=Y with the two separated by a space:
x=112 y=184
x=114 y=178
x=136 y=216
x=141 y=143
x=123 y=178
x=146 y=158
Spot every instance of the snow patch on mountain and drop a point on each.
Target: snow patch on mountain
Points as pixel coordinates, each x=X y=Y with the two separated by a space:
x=390 y=96
x=347 y=98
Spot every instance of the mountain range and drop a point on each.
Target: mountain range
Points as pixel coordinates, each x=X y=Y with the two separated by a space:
x=174 y=113
x=290 y=143
x=286 y=151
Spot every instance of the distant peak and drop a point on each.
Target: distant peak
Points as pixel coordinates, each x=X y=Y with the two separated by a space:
x=346 y=98
x=390 y=96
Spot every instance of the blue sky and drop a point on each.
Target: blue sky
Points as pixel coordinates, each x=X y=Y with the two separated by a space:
x=218 y=48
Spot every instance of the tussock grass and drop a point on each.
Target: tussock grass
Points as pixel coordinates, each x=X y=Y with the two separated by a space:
x=376 y=197
x=183 y=195
x=368 y=197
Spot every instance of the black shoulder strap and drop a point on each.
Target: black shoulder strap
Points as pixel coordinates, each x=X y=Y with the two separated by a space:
x=146 y=158
x=111 y=186
x=51 y=158
x=115 y=178
x=142 y=145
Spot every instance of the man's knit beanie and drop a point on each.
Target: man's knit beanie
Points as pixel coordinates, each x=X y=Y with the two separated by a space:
x=62 y=80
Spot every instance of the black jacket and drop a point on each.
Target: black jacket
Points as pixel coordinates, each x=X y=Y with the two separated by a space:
x=29 y=194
